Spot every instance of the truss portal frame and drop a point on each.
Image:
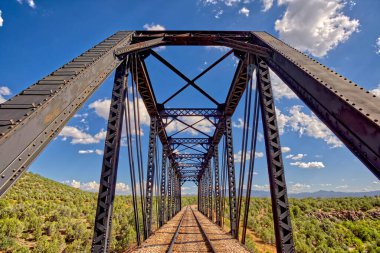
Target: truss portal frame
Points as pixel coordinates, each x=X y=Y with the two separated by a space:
x=34 y=117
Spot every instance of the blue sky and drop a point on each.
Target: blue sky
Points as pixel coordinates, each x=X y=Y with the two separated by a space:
x=37 y=37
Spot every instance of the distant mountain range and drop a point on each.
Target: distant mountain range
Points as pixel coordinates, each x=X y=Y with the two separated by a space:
x=320 y=194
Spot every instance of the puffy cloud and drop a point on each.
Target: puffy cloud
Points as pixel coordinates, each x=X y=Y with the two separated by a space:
x=87 y=151
x=226 y=2
x=285 y=149
x=267 y=4
x=154 y=27
x=376 y=91
x=308 y=165
x=264 y=187
x=220 y=48
x=1 y=19
x=315 y=26
x=377 y=41
x=237 y=156
x=282 y=120
x=90 y=151
x=239 y=124
x=31 y=3
x=4 y=91
x=102 y=107
x=298 y=187
x=244 y=11
x=304 y=124
x=218 y=13
x=92 y=186
x=296 y=157
x=99 y=152
x=280 y=89
x=80 y=137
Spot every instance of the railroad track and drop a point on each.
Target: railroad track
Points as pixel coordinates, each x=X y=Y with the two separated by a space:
x=190 y=239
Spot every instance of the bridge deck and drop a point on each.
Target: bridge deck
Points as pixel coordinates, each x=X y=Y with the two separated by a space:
x=190 y=237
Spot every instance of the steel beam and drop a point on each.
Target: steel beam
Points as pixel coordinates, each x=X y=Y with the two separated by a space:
x=177 y=112
x=163 y=186
x=103 y=216
x=151 y=167
x=210 y=186
x=280 y=205
x=33 y=118
x=352 y=113
x=170 y=190
x=217 y=187
x=189 y=141
x=231 y=178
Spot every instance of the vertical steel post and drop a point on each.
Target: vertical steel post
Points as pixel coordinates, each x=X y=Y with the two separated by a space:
x=170 y=188
x=210 y=186
x=199 y=195
x=231 y=177
x=217 y=186
x=163 y=186
x=103 y=217
x=150 y=175
x=280 y=205
x=174 y=191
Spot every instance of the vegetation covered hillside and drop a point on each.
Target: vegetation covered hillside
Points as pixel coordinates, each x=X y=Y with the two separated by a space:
x=40 y=215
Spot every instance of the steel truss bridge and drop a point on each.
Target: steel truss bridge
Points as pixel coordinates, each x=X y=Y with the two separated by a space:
x=33 y=118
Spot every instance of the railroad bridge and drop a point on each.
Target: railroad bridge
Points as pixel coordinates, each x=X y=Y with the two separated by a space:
x=33 y=118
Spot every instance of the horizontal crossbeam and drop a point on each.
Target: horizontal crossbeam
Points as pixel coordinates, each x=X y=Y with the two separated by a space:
x=205 y=112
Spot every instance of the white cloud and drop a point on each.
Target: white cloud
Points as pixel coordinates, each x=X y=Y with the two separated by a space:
x=226 y=2
x=376 y=91
x=280 y=89
x=264 y=187
x=304 y=124
x=31 y=3
x=341 y=187
x=90 y=151
x=377 y=42
x=92 y=186
x=239 y=124
x=296 y=157
x=267 y=4
x=237 y=156
x=220 y=48
x=308 y=165
x=282 y=120
x=80 y=137
x=4 y=91
x=87 y=151
x=1 y=19
x=315 y=26
x=376 y=182
x=218 y=13
x=99 y=152
x=298 y=187
x=244 y=11
x=285 y=149
x=102 y=106
x=154 y=27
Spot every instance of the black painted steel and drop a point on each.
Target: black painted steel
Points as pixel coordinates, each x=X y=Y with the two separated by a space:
x=151 y=167
x=103 y=217
x=280 y=205
x=231 y=178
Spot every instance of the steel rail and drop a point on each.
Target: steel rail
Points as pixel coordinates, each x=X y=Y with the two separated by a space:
x=203 y=232
x=175 y=236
